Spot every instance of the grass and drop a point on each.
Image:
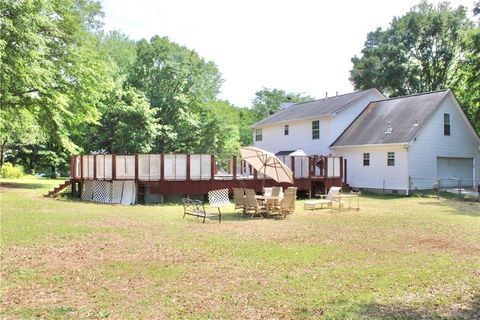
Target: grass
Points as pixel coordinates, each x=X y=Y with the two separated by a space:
x=398 y=258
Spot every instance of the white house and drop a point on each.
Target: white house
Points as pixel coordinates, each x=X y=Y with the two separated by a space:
x=390 y=145
x=407 y=142
x=311 y=126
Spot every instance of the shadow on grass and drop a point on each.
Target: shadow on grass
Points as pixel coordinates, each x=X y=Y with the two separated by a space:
x=397 y=311
x=458 y=207
x=238 y=216
x=22 y=185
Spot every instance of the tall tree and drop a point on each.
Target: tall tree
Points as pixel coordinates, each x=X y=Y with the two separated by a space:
x=466 y=79
x=415 y=54
x=267 y=101
x=177 y=82
x=52 y=65
x=127 y=125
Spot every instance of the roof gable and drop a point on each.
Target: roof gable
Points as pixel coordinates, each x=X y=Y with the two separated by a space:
x=396 y=120
x=316 y=108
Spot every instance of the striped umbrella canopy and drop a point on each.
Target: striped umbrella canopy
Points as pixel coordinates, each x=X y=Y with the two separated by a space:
x=268 y=163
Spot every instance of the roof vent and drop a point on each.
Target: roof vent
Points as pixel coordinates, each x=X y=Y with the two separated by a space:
x=389 y=128
x=415 y=124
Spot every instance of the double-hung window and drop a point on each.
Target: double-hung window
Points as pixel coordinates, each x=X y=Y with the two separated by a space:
x=258 y=135
x=366 y=159
x=316 y=129
x=285 y=130
x=446 y=124
x=391 y=159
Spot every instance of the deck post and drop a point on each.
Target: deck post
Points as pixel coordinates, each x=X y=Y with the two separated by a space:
x=72 y=167
x=293 y=167
x=114 y=167
x=341 y=168
x=95 y=167
x=188 y=168
x=81 y=166
x=311 y=171
x=136 y=167
x=162 y=165
x=234 y=167
x=212 y=168
x=345 y=170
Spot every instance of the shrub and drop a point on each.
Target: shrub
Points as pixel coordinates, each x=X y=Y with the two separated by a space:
x=10 y=171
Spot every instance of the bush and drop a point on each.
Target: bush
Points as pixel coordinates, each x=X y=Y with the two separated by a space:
x=10 y=171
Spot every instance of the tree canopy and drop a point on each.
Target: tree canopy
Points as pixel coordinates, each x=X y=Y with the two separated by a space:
x=267 y=101
x=427 y=49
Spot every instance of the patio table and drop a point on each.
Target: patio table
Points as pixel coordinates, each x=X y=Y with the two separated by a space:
x=270 y=201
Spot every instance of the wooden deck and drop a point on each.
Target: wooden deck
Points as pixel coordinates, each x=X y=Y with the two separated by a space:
x=185 y=174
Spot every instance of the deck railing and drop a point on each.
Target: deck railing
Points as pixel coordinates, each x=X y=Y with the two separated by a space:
x=192 y=167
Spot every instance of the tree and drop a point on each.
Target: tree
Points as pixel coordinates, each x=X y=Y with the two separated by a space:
x=17 y=130
x=127 y=125
x=121 y=50
x=466 y=80
x=416 y=53
x=177 y=82
x=52 y=65
x=267 y=101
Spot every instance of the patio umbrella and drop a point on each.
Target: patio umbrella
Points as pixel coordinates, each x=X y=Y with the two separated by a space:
x=268 y=163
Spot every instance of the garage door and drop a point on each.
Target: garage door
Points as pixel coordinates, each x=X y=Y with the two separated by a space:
x=460 y=168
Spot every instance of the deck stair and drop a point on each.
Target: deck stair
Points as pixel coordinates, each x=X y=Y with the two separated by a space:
x=53 y=193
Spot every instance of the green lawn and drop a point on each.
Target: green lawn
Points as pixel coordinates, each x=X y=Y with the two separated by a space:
x=398 y=258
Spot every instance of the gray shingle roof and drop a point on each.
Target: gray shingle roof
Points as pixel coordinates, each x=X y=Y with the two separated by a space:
x=314 y=108
x=405 y=116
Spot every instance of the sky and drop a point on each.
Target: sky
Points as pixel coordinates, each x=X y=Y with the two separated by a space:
x=302 y=46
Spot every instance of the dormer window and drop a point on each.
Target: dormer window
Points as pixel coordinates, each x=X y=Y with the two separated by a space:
x=446 y=124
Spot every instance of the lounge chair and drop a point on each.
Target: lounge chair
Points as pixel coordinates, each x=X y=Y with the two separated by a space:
x=239 y=199
x=252 y=203
x=327 y=199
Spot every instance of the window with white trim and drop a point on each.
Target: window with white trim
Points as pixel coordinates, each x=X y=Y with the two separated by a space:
x=258 y=135
x=366 y=159
x=446 y=124
x=316 y=129
x=286 y=130
x=391 y=159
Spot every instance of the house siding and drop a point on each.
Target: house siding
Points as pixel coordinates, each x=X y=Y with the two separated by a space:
x=432 y=143
x=300 y=131
x=299 y=137
x=378 y=175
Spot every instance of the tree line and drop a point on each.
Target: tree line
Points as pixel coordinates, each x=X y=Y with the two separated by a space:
x=68 y=87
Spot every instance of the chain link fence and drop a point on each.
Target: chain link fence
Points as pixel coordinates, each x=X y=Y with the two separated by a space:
x=455 y=188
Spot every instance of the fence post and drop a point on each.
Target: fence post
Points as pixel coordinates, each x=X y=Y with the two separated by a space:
x=439 y=187
x=460 y=188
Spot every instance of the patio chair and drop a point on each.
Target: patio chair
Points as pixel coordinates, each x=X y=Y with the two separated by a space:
x=276 y=191
x=218 y=199
x=294 y=189
x=252 y=203
x=239 y=199
x=287 y=205
x=327 y=199
x=267 y=191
